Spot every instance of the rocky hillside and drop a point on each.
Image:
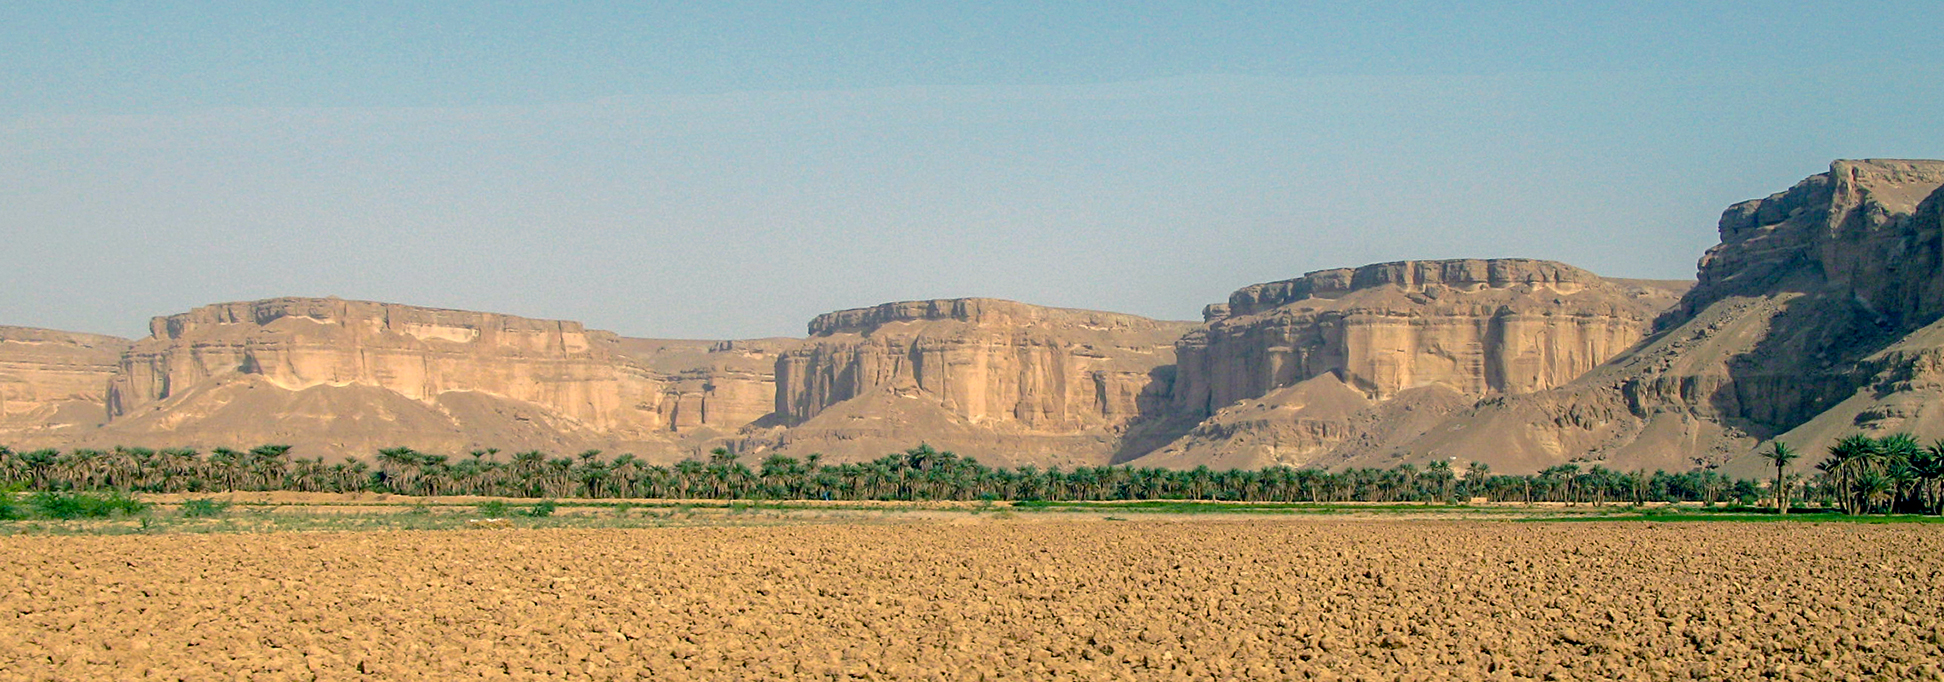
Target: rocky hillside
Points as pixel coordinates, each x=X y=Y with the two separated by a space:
x=333 y=376
x=54 y=382
x=1340 y=363
x=1818 y=315
x=1007 y=382
x=1812 y=319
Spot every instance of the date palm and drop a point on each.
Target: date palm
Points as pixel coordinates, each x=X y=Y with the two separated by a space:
x=1780 y=454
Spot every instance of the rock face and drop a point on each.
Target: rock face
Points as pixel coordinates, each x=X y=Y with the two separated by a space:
x=350 y=376
x=54 y=382
x=1003 y=381
x=1812 y=318
x=1820 y=314
x=1477 y=326
x=1311 y=370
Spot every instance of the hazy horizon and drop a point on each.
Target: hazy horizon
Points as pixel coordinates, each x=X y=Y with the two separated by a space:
x=720 y=172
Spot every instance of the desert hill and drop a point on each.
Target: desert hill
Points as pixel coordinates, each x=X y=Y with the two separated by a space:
x=1818 y=315
x=338 y=377
x=54 y=382
x=1811 y=320
x=1006 y=382
x=1339 y=364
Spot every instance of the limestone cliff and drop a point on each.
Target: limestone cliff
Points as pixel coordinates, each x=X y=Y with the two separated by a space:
x=350 y=376
x=1004 y=381
x=53 y=381
x=1436 y=334
x=1809 y=321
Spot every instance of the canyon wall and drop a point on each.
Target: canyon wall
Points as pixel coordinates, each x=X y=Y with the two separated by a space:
x=1318 y=369
x=1813 y=318
x=348 y=376
x=1477 y=326
x=54 y=382
x=1002 y=380
x=1820 y=313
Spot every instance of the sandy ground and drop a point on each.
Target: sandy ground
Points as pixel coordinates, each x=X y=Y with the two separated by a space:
x=1266 y=599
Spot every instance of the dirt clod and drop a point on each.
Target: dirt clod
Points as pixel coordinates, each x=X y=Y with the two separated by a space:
x=1269 y=600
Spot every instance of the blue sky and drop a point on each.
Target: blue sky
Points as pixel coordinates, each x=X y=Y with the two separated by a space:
x=729 y=170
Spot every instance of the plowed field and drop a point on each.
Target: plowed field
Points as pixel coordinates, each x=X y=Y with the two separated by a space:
x=1025 y=599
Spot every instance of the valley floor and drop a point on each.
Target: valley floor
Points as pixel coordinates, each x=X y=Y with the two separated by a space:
x=977 y=594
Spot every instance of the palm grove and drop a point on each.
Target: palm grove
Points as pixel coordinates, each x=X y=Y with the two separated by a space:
x=1861 y=475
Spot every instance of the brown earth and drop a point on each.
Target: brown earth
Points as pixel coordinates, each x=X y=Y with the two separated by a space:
x=1270 y=600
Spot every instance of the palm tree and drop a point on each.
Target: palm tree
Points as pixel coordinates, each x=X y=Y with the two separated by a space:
x=1848 y=459
x=1875 y=489
x=1781 y=455
x=1929 y=467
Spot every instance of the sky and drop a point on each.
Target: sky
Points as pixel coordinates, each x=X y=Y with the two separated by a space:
x=730 y=170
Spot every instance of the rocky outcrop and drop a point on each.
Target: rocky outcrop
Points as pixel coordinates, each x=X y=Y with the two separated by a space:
x=287 y=370
x=1439 y=334
x=1477 y=326
x=54 y=382
x=1002 y=380
x=1821 y=313
x=711 y=387
x=1808 y=322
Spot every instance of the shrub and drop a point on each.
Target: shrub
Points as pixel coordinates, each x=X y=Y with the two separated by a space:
x=9 y=507
x=76 y=505
x=541 y=509
x=204 y=508
x=493 y=510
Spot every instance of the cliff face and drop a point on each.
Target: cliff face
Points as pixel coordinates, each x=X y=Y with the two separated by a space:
x=418 y=353
x=1821 y=313
x=352 y=375
x=1809 y=321
x=54 y=381
x=1476 y=326
x=1436 y=334
x=993 y=378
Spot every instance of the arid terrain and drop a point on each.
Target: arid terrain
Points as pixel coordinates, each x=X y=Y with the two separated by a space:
x=986 y=597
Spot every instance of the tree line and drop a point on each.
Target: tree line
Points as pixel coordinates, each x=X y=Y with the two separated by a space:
x=921 y=473
x=1862 y=475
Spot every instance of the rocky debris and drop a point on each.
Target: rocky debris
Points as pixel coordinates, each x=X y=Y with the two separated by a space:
x=54 y=381
x=1053 y=599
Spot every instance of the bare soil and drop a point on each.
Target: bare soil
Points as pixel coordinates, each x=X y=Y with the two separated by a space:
x=1259 y=599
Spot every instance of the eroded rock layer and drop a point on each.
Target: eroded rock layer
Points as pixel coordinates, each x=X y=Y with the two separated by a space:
x=53 y=381
x=348 y=376
x=1339 y=363
x=1820 y=314
x=1002 y=380
x=1477 y=326
x=1811 y=320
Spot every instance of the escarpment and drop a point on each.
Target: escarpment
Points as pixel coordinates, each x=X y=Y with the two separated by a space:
x=1813 y=318
x=1820 y=314
x=344 y=376
x=990 y=378
x=1294 y=372
x=54 y=382
x=1476 y=326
